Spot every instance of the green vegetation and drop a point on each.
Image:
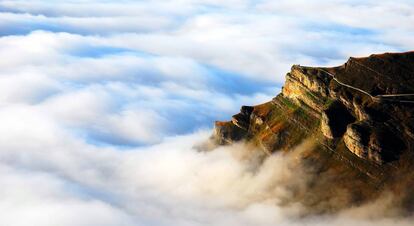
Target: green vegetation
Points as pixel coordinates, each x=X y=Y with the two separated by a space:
x=286 y=125
x=288 y=103
x=328 y=103
x=314 y=97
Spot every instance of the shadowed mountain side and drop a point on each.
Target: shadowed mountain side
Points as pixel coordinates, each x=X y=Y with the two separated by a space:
x=359 y=114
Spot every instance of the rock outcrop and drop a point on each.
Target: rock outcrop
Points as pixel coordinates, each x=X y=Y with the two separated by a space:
x=354 y=111
x=334 y=120
x=373 y=141
x=234 y=130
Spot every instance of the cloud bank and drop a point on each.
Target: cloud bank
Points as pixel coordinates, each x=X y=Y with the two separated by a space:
x=166 y=184
x=101 y=103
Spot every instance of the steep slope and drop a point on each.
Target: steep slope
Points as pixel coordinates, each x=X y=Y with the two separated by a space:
x=360 y=114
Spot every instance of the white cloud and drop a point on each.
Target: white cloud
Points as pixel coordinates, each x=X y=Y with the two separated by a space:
x=165 y=184
x=96 y=97
x=259 y=39
x=44 y=199
x=76 y=80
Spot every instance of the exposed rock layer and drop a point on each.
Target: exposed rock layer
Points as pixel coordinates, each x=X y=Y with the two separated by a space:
x=346 y=110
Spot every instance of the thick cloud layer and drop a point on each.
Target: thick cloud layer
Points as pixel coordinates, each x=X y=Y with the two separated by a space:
x=66 y=182
x=103 y=101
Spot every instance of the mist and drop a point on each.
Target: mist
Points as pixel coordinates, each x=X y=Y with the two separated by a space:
x=172 y=183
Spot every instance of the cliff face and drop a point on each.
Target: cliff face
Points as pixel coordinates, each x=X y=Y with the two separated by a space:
x=354 y=112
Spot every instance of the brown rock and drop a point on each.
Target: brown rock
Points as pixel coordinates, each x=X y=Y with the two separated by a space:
x=227 y=133
x=355 y=139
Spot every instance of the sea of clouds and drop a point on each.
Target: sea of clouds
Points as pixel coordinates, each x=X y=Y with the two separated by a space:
x=103 y=102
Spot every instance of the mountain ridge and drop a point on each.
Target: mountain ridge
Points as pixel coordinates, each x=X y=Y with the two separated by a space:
x=360 y=114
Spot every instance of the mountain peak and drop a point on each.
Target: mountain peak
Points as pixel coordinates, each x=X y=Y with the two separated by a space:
x=361 y=115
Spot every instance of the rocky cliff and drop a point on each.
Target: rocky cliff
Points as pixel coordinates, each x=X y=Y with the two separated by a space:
x=360 y=114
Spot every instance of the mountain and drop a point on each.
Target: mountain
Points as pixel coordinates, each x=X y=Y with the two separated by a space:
x=360 y=116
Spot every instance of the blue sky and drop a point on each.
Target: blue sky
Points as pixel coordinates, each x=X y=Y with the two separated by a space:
x=204 y=58
x=88 y=86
